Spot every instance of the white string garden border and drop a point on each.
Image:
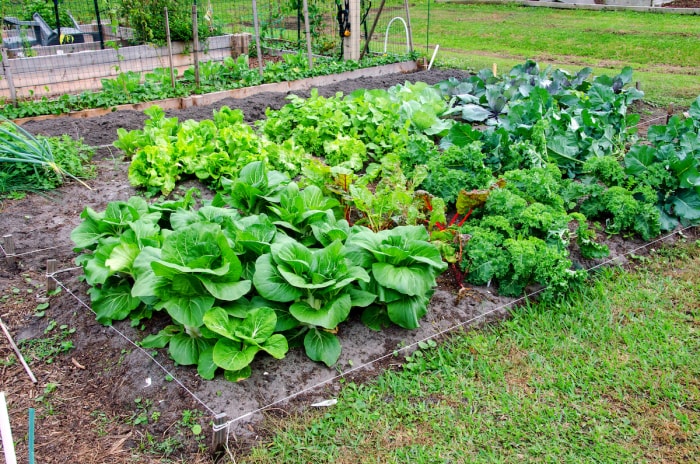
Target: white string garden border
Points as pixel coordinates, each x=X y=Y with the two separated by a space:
x=222 y=428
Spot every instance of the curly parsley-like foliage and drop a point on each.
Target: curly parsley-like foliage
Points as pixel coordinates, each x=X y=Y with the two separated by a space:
x=622 y=211
x=455 y=169
x=606 y=169
x=536 y=185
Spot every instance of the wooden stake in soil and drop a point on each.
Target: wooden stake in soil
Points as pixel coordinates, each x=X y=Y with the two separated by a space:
x=7 y=68
x=195 y=44
x=218 y=440
x=170 y=46
x=9 y=249
x=51 y=267
x=258 y=47
x=408 y=25
x=308 y=34
x=17 y=352
x=669 y=112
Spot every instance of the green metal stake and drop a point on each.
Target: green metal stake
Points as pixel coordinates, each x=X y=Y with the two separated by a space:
x=31 y=436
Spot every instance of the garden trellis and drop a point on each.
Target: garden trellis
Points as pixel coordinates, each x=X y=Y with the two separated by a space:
x=123 y=42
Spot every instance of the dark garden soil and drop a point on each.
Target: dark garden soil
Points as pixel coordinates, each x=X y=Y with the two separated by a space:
x=104 y=400
x=683 y=4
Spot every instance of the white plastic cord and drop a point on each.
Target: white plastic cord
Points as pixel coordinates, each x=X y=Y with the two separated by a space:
x=649 y=121
x=227 y=425
x=167 y=372
x=437 y=334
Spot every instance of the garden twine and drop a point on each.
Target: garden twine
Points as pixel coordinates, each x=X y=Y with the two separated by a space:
x=227 y=425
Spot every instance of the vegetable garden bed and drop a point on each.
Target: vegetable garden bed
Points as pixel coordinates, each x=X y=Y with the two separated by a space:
x=121 y=392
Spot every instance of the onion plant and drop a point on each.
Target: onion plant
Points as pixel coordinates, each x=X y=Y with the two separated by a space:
x=19 y=146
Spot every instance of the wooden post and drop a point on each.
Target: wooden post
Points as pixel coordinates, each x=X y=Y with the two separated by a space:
x=408 y=25
x=170 y=47
x=371 y=31
x=256 y=23
x=308 y=34
x=195 y=44
x=669 y=112
x=51 y=266
x=218 y=439
x=9 y=246
x=7 y=67
x=351 y=43
x=17 y=351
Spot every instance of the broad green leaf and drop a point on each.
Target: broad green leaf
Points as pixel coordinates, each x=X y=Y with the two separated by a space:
x=258 y=325
x=293 y=254
x=229 y=355
x=639 y=158
x=96 y=272
x=461 y=135
x=409 y=233
x=226 y=290
x=254 y=174
x=376 y=318
x=322 y=346
x=687 y=171
x=314 y=199
x=237 y=376
x=328 y=317
x=88 y=232
x=188 y=311
x=564 y=149
x=113 y=302
x=285 y=321
x=475 y=113
x=361 y=298
x=195 y=247
x=167 y=269
x=427 y=253
x=409 y=280
x=217 y=320
x=206 y=368
x=122 y=257
x=407 y=311
x=326 y=233
x=185 y=350
x=270 y=284
x=300 y=282
x=328 y=261
x=686 y=205
x=694 y=110
x=159 y=340
x=276 y=346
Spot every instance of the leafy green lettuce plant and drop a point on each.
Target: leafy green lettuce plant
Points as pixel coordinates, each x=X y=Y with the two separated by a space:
x=318 y=284
x=403 y=266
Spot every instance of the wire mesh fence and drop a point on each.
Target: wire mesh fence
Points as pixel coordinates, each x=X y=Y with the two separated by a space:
x=70 y=46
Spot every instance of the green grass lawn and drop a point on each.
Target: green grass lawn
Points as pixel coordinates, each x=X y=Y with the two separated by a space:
x=663 y=49
x=611 y=374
